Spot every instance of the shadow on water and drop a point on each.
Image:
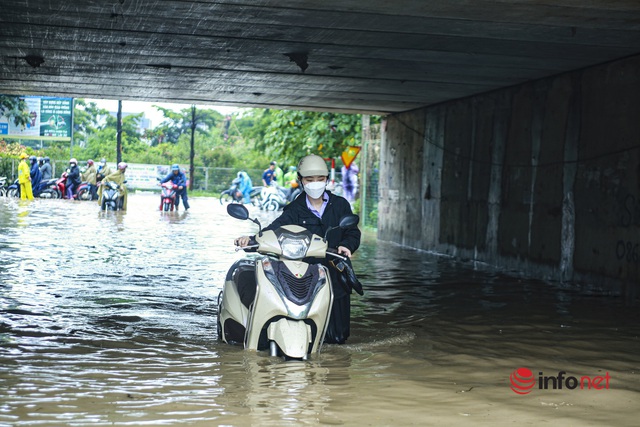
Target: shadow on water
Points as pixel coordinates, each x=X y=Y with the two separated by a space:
x=109 y=319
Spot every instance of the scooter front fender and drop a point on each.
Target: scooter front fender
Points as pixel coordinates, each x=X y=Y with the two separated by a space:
x=292 y=336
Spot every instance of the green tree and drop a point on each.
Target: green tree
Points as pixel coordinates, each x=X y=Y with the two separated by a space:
x=103 y=142
x=86 y=120
x=287 y=135
x=177 y=124
x=14 y=107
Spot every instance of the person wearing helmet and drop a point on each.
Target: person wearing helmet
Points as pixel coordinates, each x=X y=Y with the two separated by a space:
x=103 y=170
x=24 y=178
x=45 y=169
x=73 y=178
x=179 y=178
x=268 y=174
x=35 y=174
x=89 y=176
x=119 y=178
x=317 y=210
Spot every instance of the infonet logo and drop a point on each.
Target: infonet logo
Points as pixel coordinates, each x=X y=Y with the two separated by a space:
x=523 y=381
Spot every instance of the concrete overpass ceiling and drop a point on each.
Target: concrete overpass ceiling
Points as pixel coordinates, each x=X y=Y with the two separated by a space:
x=376 y=56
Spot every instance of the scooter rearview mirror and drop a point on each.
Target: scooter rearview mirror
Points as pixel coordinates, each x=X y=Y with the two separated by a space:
x=346 y=221
x=237 y=211
x=349 y=221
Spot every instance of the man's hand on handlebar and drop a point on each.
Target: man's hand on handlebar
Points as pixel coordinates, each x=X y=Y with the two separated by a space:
x=344 y=251
x=242 y=241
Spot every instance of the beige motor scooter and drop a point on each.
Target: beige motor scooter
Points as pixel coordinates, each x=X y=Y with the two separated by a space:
x=276 y=301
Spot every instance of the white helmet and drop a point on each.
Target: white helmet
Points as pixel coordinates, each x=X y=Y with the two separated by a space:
x=312 y=165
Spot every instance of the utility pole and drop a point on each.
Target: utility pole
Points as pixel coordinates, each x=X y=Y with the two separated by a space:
x=192 y=153
x=73 y=108
x=119 y=133
x=364 y=172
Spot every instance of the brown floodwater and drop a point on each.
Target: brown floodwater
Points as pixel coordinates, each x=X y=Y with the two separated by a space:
x=108 y=319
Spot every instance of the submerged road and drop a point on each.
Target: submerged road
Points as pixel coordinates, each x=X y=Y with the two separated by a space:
x=108 y=319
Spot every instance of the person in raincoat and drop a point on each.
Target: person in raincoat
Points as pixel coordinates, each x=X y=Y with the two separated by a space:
x=350 y=182
x=35 y=174
x=89 y=176
x=178 y=177
x=103 y=170
x=245 y=186
x=24 y=178
x=291 y=177
x=278 y=175
x=119 y=178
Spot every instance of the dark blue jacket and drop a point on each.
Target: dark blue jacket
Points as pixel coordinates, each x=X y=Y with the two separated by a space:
x=73 y=176
x=36 y=176
x=179 y=179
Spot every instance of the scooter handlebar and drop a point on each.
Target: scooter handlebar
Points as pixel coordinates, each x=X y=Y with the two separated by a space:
x=251 y=247
x=334 y=252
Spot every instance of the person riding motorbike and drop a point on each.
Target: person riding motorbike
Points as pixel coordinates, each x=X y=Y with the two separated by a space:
x=317 y=210
x=89 y=176
x=45 y=169
x=180 y=179
x=118 y=177
x=36 y=176
x=73 y=178
x=103 y=170
x=245 y=186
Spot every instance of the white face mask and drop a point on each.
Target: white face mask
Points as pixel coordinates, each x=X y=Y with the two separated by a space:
x=315 y=189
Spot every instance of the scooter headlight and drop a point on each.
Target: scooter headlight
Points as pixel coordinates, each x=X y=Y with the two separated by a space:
x=294 y=247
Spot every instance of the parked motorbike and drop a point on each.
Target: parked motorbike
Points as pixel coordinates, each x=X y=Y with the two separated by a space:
x=13 y=190
x=277 y=301
x=274 y=197
x=3 y=186
x=111 y=199
x=84 y=192
x=168 y=196
x=47 y=189
x=44 y=189
x=61 y=186
x=232 y=195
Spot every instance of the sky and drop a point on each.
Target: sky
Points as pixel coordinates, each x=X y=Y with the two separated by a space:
x=150 y=112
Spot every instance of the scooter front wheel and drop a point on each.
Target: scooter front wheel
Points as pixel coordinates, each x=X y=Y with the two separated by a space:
x=84 y=194
x=167 y=206
x=271 y=205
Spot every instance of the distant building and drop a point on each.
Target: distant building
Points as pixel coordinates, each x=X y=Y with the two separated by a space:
x=143 y=123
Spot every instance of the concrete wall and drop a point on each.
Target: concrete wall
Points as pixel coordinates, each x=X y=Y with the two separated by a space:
x=541 y=178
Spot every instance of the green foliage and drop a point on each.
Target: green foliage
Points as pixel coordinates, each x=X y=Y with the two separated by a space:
x=289 y=135
x=9 y=154
x=14 y=107
x=179 y=123
x=86 y=120
x=255 y=137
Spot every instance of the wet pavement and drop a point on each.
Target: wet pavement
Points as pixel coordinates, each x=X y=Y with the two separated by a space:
x=108 y=319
